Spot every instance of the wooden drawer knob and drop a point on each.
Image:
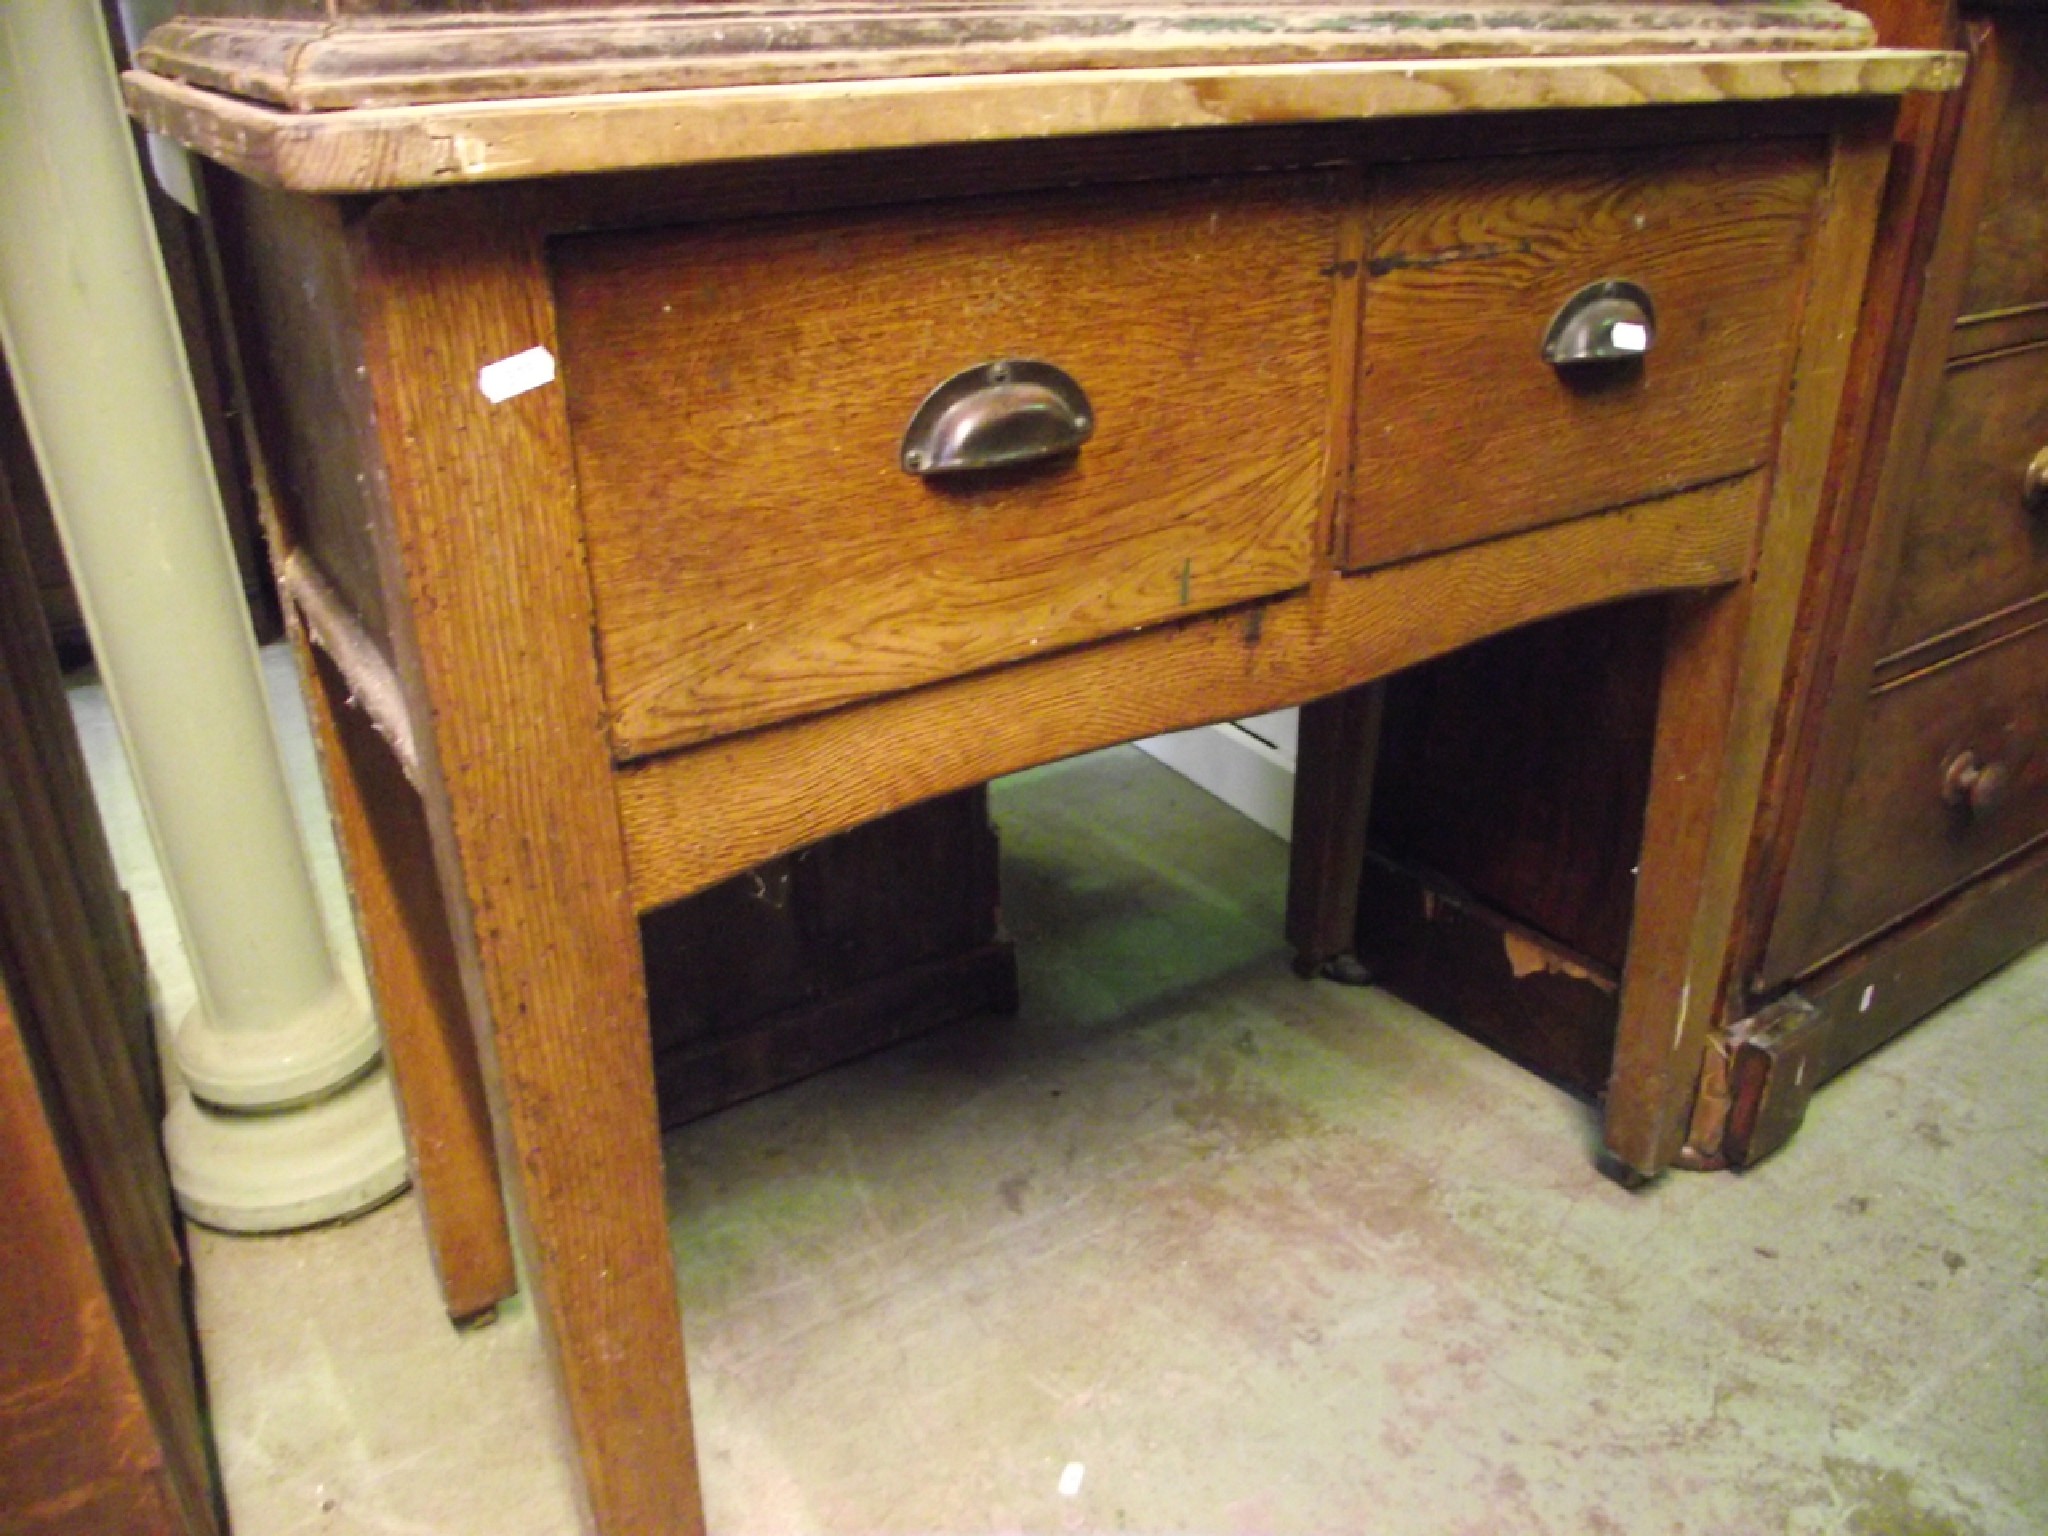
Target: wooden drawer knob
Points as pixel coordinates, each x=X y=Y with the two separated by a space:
x=996 y=415
x=1973 y=787
x=2034 y=484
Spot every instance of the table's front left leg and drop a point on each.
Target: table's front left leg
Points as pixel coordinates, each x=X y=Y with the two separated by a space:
x=495 y=633
x=1731 y=655
x=1684 y=901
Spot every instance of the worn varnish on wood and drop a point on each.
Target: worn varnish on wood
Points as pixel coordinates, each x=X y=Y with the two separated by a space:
x=1898 y=894
x=1466 y=266
x=309 y=57
x=382 y=97
x=1973 y=543
x=567 y=575
x=784 y=786
x=737 y=397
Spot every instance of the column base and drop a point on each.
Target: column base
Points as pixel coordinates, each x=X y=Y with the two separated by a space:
x=286 y=1062
x=286 y=1169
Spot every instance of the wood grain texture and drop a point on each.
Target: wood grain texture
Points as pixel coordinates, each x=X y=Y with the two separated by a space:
x=290 y=285
x=717 y=191
x=1825 y=679
x=695 y=817
x=738 y=395
x=49 y=779
x=1883 y=490
x=2000 y=330
x=325 y=63
x=416 y=977
x=700 y=1076
x=1674 y=989
x=1986 y=629
x=2006 y=269
x=527 y=839
x=1340 y=738
x=291 y=293
x=1877 y=991
x=1465 y=432
x=1516 y=770
x=389 y=148
x=78 y=1453
x=813 y=958
x=1970 y=545
x=1536 y=1001
x=100 y=1422
x=1669 y=996
x=1897 y=844
x=373 y=685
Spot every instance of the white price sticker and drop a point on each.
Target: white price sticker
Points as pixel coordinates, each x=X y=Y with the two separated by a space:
x=516 y=374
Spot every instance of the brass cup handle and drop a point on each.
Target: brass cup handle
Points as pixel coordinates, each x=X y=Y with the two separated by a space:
x=1974 y=787
x=1603 y=323
x=996 y=415
x=2034 y=484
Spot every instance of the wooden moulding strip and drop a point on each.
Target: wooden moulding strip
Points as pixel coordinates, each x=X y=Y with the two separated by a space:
x=695 y=817
x=322 y=64
x=375 y=149
x=373 y=683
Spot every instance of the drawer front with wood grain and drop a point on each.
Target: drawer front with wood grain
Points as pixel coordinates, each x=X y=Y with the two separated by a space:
x=1976 y=537
x=739 y=394
x=1951 y=776
x=1465 y=429
x=2007 y=270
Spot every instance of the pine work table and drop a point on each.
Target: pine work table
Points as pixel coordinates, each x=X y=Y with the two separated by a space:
x=689 y=432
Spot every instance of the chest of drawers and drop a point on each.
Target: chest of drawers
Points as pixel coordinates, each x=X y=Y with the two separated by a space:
x=1912 y=859
x=1295 y=347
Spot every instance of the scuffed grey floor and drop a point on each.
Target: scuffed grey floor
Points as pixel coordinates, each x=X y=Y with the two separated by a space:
x=1193 y=1246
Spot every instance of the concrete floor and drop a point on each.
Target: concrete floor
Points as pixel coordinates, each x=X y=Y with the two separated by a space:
x=1193 y=1246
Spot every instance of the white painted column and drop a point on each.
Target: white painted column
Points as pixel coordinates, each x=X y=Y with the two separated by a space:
x=289 y=1118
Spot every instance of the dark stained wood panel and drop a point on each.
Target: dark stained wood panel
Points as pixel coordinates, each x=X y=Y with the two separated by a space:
x=1517 y=770
x=1465 y=432
x=1972 y=546
x=1878 y=991
x=292 y=288
x=738 y=395
x=1898 y=842
x=2009 y=255
x=1438 y=949
x=826 y=953
x=101 y=1431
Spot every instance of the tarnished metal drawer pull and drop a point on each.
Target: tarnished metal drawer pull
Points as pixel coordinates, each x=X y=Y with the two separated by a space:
x=1973 y=787
x=1609 y=322
x=2034 y=484
x=1008 y=412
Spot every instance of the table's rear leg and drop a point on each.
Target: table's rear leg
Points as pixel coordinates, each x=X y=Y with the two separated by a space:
x=413 y=967
x=1334 y=763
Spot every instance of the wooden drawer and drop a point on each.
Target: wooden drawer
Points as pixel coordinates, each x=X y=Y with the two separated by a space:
x=1898 y=841
x=1971 y=546
x=738 y=395
x=1463 y=431
x=2006 y=266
